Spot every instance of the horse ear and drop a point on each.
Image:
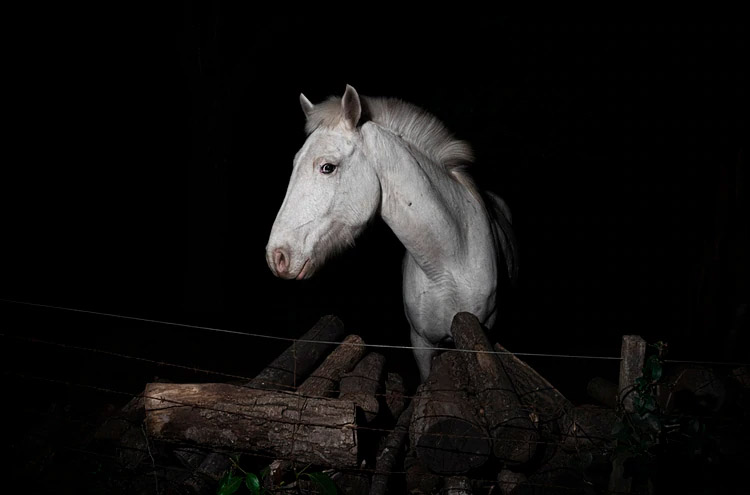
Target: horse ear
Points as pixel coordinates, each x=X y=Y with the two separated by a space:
x=351 y=107
x=306 y=105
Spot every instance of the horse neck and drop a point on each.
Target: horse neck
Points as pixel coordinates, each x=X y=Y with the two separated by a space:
x=431 y=213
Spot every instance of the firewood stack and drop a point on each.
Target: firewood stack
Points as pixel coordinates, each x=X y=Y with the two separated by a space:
x=483 y=420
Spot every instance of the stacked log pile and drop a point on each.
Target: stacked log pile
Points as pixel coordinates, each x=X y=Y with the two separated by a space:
x=484 y=420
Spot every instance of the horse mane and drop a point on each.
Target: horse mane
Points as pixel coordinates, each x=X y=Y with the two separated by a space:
x=414 y=125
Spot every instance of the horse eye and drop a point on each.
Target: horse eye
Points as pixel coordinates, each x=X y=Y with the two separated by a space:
x=327 y=168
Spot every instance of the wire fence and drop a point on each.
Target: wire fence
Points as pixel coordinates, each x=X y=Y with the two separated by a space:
x=560 y=440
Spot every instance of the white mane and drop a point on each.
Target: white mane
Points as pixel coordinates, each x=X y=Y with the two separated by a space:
x=414 y=125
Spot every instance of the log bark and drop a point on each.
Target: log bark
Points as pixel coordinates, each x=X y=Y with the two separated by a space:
x=310 y=430
x=322 y=383
x=588 y=428
x=283 y=373
x=325 y=379
x=511 y=483
x=419 y=479
x=533 y=390
x=386 y=459
x=361 y=385
x=633 y=353
x=456 y=485
x=446 y=430
x=514 y=435
x=691 y=388
x=300 y=358
x=395 y=396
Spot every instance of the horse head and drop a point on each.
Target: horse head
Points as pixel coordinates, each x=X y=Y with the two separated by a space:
x=332 y=194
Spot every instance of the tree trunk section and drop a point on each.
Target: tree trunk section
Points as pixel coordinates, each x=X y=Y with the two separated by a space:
x=284 y=372
x=361 y=385
x=395 y=396
x=533 y=389
x=456 y=485
x=300 y=358
x=387 y=457
x=514 y=435
x=325 y=379
x=446 y=430
x=310 y=430
x=322 y=383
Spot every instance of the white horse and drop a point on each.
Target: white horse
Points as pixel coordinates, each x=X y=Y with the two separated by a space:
x=367 y=156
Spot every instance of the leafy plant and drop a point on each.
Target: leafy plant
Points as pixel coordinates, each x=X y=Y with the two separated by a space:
x=637 y=433
x=321 y=481
x=232 y=482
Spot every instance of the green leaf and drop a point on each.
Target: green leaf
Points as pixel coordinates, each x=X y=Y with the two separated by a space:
x=649 y=403
x=229 y=484
x=324 y=482
x=652 y=368
x=641 y=383
x=252 y=483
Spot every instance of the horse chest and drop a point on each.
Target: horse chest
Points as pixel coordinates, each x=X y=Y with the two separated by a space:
x=431 y=303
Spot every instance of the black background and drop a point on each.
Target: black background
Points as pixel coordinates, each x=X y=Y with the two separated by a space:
x=148 y=151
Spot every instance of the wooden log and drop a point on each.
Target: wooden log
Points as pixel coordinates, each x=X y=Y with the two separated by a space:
x=514 y=435
x=603 y=391
x=361 y=385
x=395 y=396
x=283 y=373
x=549 y=407
x=741 y=375
x=563 y=474
x=691 y=389
x=534 y=391
x=350 y=483
x=588 y=428
x=446 y=432
x=208 y=473
x=128 y=417
x=386 y=459
x=511 y=483
x=300 y=358
x=456 y=485
x=216 y=415
x=325 y=379
x=419 y=479
x=322 y=383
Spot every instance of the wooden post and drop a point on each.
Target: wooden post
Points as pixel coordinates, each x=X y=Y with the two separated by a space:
x=633 y=355
x=631 y=367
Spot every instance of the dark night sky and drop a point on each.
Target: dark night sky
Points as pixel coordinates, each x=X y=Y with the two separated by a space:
x=150 y=151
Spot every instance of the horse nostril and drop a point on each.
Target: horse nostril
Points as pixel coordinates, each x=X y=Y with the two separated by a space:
x=281 y=260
